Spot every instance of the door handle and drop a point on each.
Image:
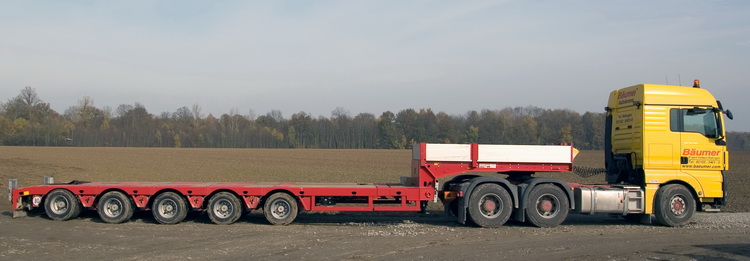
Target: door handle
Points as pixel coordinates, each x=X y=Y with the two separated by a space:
x=683 y=160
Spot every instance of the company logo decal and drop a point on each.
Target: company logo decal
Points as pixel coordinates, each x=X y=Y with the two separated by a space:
x=694 y=152
x=627 y=94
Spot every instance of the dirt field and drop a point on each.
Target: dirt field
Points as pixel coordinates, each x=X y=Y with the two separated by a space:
x=722 y=236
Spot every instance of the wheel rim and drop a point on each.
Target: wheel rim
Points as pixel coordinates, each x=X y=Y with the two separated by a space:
x=678 y=205
x=490 y=205
x=167 y=208
x=547 y=206
x=280 y=209
x=60 y=205
x=113 y=207
x=223 y=208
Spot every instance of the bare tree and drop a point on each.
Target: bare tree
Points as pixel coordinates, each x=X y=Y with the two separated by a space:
x=196 y=109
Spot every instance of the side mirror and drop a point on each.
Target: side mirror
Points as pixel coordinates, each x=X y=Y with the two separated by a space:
x=729 y=114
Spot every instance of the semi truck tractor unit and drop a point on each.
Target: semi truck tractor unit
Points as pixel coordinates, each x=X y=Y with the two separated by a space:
x=665 y=153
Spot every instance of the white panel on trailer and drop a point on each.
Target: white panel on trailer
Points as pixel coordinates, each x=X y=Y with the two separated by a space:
x=525 y=153
x=448 y=152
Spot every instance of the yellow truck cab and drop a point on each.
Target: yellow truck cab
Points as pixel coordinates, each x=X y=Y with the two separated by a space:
x=670 y=141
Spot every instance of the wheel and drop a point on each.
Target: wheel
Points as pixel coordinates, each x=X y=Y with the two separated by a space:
x=61 y=205
x=547 y=206
x=280 y=209
x=115 y=207
x=489 y=205
x=674 y=205
x=224 y=208
x=169 y=208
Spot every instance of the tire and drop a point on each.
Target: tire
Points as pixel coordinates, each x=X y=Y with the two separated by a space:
x=490 y=205
x=280 y=209
x=115 y=207
x=674 y=205
x=61 y=205
x=224 y=208
x=169 y=208
x=547 y=206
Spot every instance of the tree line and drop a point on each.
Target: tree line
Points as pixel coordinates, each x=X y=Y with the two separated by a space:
x=26 y=120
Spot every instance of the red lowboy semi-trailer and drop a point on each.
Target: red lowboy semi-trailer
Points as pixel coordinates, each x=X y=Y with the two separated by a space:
x=485 y=200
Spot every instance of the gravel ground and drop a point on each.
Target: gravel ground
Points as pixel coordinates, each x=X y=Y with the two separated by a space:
x=318 y=236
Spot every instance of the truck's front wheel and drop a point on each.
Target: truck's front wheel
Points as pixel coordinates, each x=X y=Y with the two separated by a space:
x=674 y=205
x=489 y=205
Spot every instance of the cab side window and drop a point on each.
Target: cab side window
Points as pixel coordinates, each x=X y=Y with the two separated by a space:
x=696 y=120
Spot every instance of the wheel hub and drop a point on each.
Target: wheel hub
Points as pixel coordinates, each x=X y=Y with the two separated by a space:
x=489 y=206
x=280 y=209
x=678 y=205
x=545 y=206
x=60 y=205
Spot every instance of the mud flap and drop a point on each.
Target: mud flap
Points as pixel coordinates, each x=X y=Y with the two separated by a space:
x=462 y=210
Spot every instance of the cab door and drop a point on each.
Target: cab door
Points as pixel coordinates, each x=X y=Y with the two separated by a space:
x=702 y=143
x=702 y=149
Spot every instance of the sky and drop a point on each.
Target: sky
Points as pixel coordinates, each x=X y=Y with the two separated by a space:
x=252 y=57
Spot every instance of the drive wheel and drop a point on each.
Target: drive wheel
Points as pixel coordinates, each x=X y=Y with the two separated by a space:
x=169 y=208
x=61 y=204
x=280 y=209
x=674 y=205
x=489 y=205
x=547 y=206
x=224 y=208
x=115 y=207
